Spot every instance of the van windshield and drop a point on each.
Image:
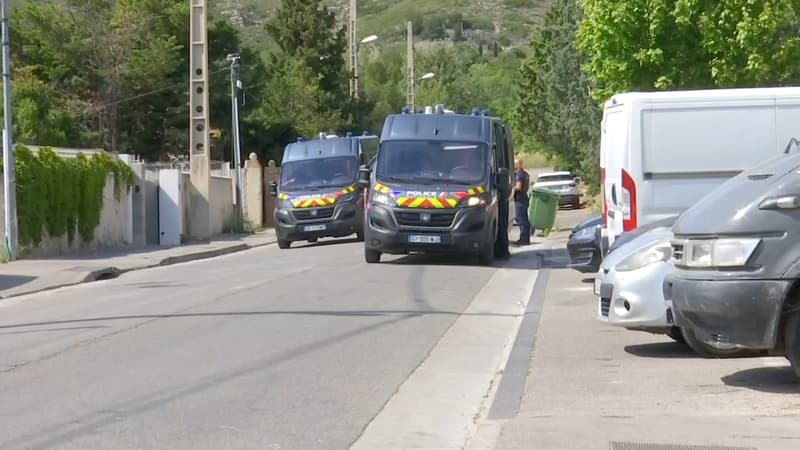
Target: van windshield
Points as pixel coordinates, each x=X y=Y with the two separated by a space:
x=318 y=173
x=428 y=162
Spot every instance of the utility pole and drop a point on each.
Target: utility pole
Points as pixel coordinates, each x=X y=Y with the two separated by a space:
x=9 y=177
x=353 y=28
x=236 y=85
x=199 y=115
x=410 y=66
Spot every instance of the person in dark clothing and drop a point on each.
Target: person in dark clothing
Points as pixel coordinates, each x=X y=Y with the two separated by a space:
x=521 y=203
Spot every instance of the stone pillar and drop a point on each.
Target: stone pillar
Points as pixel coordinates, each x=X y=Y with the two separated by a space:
x=271 y=174
x=254 y=192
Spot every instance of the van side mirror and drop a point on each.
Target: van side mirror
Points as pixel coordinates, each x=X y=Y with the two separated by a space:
x=363 y=176
x=502 y=179
x=273 y=189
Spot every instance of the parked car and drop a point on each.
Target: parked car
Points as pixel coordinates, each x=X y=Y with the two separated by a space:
x=630 y=282
x=736 y=282
x=583 y=246
x=564 y=183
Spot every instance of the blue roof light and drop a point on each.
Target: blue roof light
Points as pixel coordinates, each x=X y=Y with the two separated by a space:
x=476 y=111
x=365 y=133
x=404 y=110
x=486 y=112
x=420 y=110
x=349 y=134
x=300 y=139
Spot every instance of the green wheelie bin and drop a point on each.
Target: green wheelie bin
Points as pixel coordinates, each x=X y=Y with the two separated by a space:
x=542 y=209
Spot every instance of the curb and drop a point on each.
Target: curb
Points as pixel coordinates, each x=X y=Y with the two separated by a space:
x=107 y=273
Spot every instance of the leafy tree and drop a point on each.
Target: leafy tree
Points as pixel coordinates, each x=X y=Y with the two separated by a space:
x=555 y=107
x=308 y=30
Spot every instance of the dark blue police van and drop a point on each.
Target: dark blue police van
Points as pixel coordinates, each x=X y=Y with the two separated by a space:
x=318 y=194
x=441 y=183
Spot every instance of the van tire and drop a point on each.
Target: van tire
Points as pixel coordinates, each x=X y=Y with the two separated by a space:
x=372 y=256
x=284 y=244
x=707 y=351
x=792 y=341
x=676 y=335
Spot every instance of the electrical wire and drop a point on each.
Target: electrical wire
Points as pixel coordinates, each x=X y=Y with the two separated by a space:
x=149 y=93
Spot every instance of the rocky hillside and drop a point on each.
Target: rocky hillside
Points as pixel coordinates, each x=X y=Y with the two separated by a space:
x=507 y=22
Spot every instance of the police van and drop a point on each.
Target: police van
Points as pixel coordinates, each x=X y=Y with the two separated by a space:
x=441 y=182
x=318 y=195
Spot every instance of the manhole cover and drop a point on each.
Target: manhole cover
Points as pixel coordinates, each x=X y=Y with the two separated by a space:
x=647 y=446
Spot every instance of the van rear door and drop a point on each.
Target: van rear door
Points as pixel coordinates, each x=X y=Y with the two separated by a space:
x=613 y=153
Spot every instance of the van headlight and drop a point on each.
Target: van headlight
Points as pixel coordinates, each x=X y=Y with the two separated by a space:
x=658 y=252
x=727 y=252
x=381 y=199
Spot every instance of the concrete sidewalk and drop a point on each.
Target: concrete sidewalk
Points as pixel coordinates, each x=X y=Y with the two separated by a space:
x=34 y=275
x=591 y=386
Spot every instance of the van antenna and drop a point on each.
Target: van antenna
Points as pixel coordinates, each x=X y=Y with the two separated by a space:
x=792 y=142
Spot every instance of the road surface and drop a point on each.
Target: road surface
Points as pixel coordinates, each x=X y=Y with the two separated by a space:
x=265 y=349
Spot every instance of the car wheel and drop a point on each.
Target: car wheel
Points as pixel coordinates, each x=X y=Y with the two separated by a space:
x=676 y=335
x=707 y=351
x=792 y=336
x=284 y=244
x=372 y=256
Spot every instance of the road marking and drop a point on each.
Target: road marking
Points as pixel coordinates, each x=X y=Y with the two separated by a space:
x=437 y=406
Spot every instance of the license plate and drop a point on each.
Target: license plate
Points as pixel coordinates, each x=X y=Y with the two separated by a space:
x=596 y=286
x=315 y=227
x=424 y=239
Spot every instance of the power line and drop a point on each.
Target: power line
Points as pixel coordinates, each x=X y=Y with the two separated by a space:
x=147 y=94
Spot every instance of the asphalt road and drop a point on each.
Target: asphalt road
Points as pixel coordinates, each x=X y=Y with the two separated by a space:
x=264 y=349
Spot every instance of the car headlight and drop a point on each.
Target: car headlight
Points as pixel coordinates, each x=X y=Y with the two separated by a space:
x=587 y=233
x=658 y=252
x=381 y=199
x=728 y=252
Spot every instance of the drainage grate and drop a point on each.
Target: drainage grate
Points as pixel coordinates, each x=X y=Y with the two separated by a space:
x=647 y=446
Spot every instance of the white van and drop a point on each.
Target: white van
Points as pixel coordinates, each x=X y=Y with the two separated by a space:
x=662 y=151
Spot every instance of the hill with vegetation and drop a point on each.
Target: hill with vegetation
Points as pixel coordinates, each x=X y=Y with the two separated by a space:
x=507 y=22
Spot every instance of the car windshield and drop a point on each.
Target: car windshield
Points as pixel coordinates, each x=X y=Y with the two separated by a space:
x=318 y=173
x=553 y=178
x=427 y=162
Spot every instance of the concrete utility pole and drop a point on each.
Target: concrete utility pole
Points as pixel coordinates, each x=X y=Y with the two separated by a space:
x=9 y=178
x=236 y=85
x=410 y=66
x=353 y=31
x=199 y=139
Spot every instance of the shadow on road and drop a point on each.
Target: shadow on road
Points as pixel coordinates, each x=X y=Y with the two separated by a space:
x=774 y=380
x=332 y=241
x=12 y=281
x=666 y=350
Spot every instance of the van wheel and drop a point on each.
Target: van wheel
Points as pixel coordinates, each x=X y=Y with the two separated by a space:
x=792 y=334
x=284 y=244
x=676 y=335
x=707 y=351
x=372 y=256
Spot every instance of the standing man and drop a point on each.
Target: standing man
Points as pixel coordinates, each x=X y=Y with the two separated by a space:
x=521 y=202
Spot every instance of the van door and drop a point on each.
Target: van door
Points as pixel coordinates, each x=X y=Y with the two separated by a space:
x=613 y=150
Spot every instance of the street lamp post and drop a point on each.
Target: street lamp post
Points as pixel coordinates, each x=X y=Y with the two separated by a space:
x=9 y=178
x=354 y=70
x=236 y=85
